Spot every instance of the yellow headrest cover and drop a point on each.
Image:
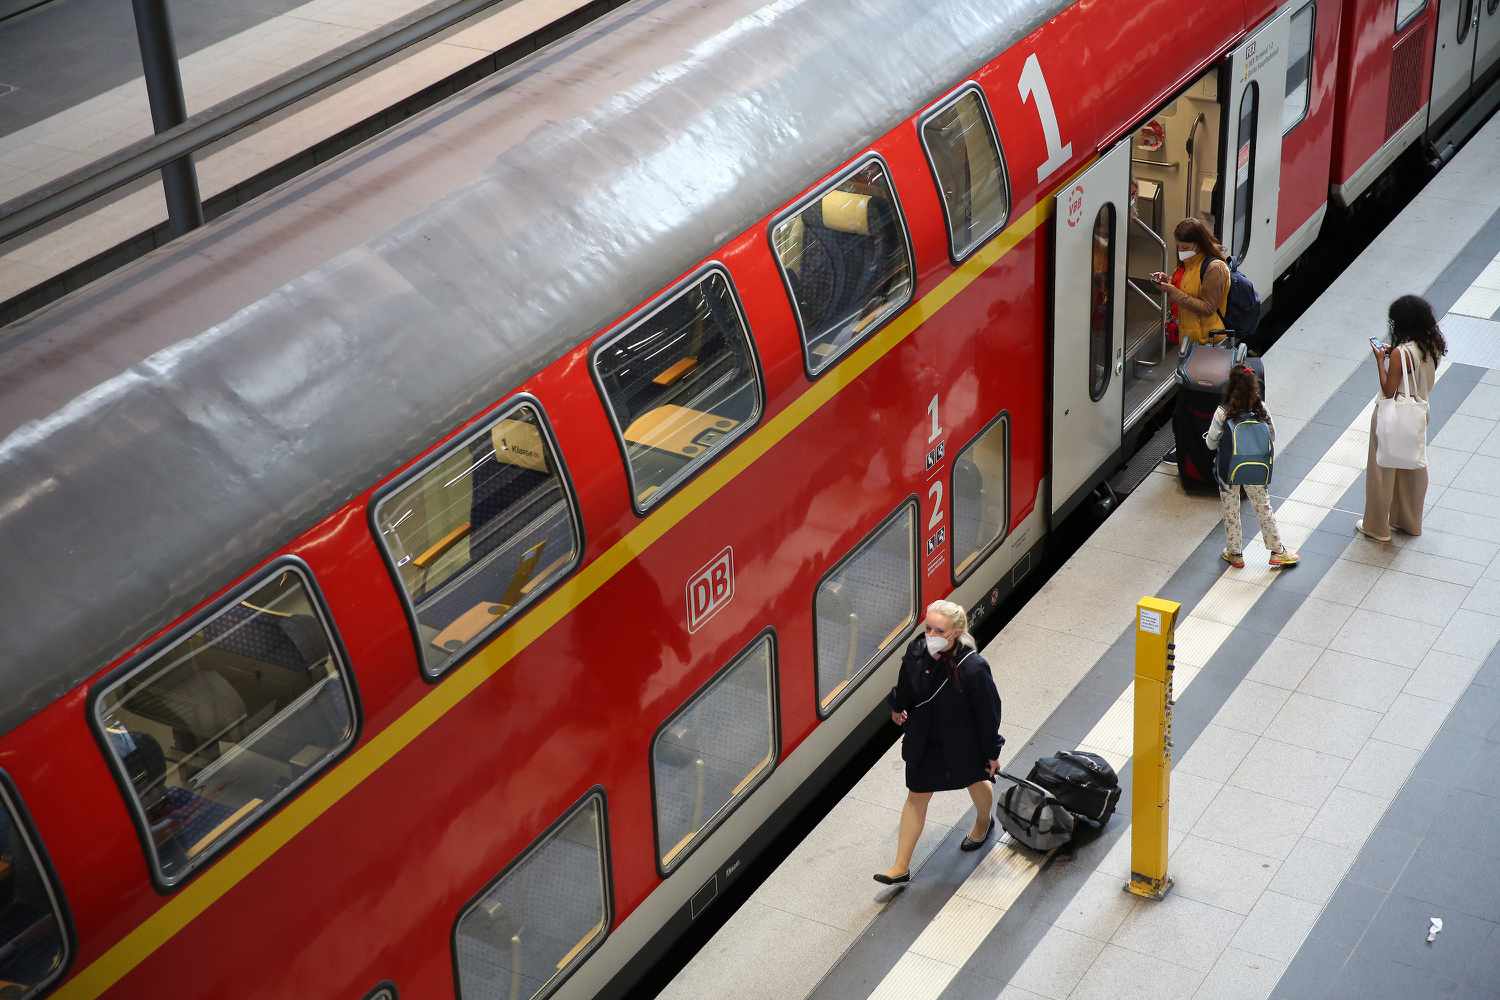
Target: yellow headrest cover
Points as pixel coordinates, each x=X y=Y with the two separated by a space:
x=788 y=240
x=847 y=213
x=519 y=442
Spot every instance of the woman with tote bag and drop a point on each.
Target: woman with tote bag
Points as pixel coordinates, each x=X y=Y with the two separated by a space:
x=1396 y=472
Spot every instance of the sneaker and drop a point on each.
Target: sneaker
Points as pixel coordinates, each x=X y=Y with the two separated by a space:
x=1284 y=560
x=1234 y=559
x=1170 y=457
x=1359 y=526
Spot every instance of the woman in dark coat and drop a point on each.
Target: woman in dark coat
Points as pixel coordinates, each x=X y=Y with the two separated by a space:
x=946 y=700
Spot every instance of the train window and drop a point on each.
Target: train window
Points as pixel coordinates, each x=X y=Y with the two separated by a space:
x=33 y=937
x=530 y=928
x=680 y=385
x=1299 y=69
x=225 y=721
x=865 y=606
x=1465 y=20
x=981 y=497
x=846 y=261
x=965 y=155
x=1102 y=298
x=1407 y=10
x=479 y=533
x=710 y=755
x=1244 y=170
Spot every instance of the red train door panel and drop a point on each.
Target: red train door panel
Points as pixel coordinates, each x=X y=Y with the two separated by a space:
x=1251 y=170
x=1088 y=322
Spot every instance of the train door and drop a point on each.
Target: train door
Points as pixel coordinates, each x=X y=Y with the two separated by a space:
x=1253 y=97
x=1458 y=31
x=1088 y=320
x=1486 y=38
x=1174 y=172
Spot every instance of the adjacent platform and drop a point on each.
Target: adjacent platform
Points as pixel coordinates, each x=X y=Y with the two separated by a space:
x=278 y=36
x=1337 y=727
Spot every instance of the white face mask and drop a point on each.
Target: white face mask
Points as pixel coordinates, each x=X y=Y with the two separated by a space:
x=937 y=643
x=1186 y=255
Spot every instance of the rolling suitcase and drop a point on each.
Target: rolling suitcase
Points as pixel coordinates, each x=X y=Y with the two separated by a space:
x=1032 y=815
x=1201 y=374
x=1083 y=782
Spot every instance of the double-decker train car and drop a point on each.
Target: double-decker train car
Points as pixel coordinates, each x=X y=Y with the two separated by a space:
x=438 y=577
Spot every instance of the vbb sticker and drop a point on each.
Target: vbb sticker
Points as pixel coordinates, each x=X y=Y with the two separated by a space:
x=710 y=589
x=1075 y=206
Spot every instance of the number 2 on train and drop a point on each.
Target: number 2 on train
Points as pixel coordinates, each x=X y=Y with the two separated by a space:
x=1033 y=85
x=935 y=493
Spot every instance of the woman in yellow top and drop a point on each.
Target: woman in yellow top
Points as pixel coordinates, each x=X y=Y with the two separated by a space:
x=1203 y=294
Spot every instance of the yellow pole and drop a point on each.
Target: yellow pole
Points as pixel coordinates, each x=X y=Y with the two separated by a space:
x=1151 y=767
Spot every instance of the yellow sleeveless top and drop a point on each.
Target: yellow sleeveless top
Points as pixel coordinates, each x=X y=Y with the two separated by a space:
x=1199 y=329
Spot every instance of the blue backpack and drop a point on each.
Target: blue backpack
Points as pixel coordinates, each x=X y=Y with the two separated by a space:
x=1242 y=312
x=1246 y=452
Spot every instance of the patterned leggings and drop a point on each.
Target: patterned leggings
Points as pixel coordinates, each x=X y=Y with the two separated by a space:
x=1229 y=499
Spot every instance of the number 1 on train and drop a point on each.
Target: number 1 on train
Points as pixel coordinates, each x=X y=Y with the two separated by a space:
x=1034 y=85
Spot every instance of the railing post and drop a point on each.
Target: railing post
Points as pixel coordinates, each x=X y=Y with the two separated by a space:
x=153 y=29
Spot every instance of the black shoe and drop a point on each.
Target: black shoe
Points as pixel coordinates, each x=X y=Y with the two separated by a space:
x=1170 y=457
x=969 y=844
x=885 y=879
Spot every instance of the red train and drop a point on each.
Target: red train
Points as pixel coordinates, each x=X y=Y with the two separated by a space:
x=438 y=576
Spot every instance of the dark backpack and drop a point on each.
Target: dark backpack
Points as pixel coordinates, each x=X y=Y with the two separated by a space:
x=1241 y=313
x=1083 y=782
x=1246 y=452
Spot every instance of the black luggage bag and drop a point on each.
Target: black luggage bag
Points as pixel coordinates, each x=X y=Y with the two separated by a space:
x=1083 y=782
x=1202 y=375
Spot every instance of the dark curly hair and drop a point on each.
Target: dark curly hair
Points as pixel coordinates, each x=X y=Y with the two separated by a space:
x=1242 y=393
x=1412 y=321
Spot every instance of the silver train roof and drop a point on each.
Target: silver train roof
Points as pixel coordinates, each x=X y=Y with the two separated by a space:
x=170 y=426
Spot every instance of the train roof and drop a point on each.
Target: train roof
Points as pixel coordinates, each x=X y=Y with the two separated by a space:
x=168 y=427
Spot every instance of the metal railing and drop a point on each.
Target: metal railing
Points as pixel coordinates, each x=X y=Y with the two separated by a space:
x=175 y=143
x=53 y=202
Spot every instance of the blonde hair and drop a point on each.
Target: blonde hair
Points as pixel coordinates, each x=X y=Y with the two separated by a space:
x=957 y=618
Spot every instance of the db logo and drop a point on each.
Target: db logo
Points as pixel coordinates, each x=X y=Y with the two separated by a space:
x=1075 y=206
x=710 y=589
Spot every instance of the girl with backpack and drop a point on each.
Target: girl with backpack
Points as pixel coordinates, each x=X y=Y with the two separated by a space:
x=1246 y=465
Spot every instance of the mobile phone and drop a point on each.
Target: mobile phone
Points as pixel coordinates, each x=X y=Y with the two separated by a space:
x=1376 y=343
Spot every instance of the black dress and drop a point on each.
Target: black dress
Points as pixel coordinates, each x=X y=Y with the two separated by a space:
x=953 y=717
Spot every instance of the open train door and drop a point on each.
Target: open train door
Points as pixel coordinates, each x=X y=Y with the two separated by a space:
x=1254 y=94
x=1088 y=324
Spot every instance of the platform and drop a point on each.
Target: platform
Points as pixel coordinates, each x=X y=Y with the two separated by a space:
x=40 y=142
x=1337 y=726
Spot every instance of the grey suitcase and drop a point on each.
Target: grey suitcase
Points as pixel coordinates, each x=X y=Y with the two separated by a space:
x=1033 y=816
